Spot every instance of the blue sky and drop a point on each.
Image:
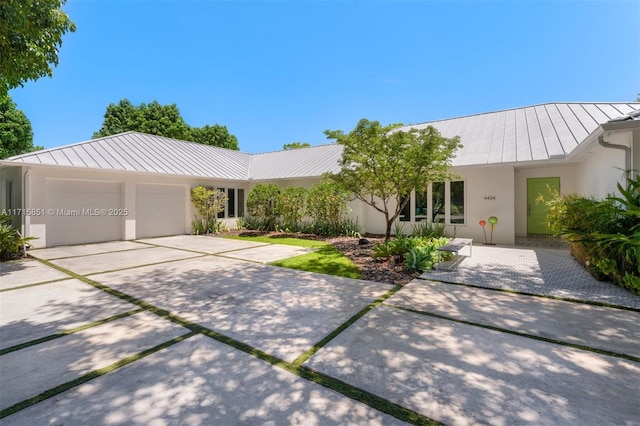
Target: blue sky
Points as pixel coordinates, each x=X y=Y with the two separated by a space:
x=276 y=72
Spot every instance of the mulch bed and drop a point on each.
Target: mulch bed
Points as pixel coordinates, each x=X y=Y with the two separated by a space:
x=372 y=269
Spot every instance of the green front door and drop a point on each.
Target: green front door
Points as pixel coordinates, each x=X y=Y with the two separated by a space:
x=537 y=212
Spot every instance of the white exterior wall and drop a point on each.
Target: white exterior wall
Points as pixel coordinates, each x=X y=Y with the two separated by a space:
x=489 y=191
x=602 y=168
x=36 y=198
x=567 y=175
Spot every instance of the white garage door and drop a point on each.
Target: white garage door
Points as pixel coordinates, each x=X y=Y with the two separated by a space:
x=160 y=210
x=83 y=211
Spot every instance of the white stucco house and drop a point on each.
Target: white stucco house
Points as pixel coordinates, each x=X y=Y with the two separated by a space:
x=134 y=185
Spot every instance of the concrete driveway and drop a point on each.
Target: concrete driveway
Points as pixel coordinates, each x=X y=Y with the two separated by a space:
x=198 y=330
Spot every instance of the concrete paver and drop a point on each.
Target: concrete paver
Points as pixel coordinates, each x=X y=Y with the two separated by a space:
x=200 y=382
x=280 y=311
x=25 y=272
x=92 y=264
x=597 y=327
x=460 y=374
x=270 y=253
x=34 y=312
x=547 y=271
x=30 y=371
x=85 y=249
x=202 y=243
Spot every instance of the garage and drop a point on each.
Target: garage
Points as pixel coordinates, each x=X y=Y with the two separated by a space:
x=79 y=211
x=160 y=210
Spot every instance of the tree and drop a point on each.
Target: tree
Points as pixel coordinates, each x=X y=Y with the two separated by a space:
x=295 y=145
x=153 y=118
x=161 y=120
x=215 y=135
x=380 y=164
x=16 y=135
x=30 y=35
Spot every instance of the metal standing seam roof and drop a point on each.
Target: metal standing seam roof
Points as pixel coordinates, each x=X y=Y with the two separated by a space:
x=296 y=163
x=534 y=133
x=520 y=135
x=139 y=152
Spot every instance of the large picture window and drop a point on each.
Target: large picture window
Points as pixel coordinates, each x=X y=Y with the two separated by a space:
x=421 y=206
x=441 y=202
x=405 y=213
x=437 y=202
x=456 y=202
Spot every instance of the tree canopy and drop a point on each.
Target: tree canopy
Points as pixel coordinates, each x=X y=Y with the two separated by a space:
x=215 y=135
x=16 y=135
x=30 y=35
x=381 y=165
x=295 y=145
x=161 y=120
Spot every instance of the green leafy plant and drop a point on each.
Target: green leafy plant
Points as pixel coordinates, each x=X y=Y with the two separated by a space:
x=381 y=251
x=327 y=205
x=290 y=206
x=419 y=259
x=261 y=205
x=400 y=245
x=12 y=243
x=604 y=234
x=209 y=202
x=429 y=230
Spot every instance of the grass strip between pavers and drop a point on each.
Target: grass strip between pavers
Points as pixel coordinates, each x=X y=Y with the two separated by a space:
x=142 y=266
x=93 y=254
x=350 y=391
x=90 y=376
x=521 y=334
x=545 y=296
x=68 y=332
x=36 y=284
x=315 y=348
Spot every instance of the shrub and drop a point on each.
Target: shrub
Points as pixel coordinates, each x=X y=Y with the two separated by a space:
x=381 y=250
x=290 y=207
x=399 y=246
x=417 y=253
x=604 y=234
x=419 y=259
x=209 y=202
x=261 y=205
x=429 y=230
x=12 y=244
x=327 y=204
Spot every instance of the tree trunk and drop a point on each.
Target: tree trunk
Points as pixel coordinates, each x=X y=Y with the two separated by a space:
x=387 y=234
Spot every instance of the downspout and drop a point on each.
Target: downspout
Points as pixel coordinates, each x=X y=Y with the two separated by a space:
x=26 y=193
x=626 y=149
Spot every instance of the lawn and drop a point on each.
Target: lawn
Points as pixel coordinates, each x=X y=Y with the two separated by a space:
x=326 y=259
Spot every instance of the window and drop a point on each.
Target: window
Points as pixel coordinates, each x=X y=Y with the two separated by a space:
x=421 y=206
x=231 y=202
x=240 y=202
x=441 y=202
x=405 y=213
x=456 y=202
x=438 y=202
